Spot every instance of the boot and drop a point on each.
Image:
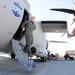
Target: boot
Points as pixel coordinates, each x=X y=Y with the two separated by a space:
x=29 y=53
x=25 y=49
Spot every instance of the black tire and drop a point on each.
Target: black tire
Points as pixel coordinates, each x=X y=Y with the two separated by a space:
x=12 y=55
x=43 y=59
x=71 y=58
x=48 y=55
x=65 y=58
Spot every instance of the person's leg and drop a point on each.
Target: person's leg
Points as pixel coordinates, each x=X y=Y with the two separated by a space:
x=27 y=48
x=29 y=51
x=27 y=38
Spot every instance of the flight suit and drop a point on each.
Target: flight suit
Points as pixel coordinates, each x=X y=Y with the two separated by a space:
x=29 y=27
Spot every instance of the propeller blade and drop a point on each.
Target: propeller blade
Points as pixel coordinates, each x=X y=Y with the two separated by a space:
x=70 y=11
x=58 y=41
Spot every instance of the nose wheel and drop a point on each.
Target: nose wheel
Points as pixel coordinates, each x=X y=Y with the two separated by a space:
x=13 y=56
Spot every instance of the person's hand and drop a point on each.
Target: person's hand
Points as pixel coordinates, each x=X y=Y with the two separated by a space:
x=23 y=29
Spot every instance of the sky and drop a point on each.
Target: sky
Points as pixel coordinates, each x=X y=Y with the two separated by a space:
x=41 y=10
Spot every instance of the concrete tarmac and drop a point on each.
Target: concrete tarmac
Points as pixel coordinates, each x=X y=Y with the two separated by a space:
x=10 y=66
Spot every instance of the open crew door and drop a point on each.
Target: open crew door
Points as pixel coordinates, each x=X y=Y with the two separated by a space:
x=19 y=33
x=23 y=58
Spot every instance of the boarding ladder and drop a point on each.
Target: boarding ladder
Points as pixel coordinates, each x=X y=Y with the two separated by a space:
x=22 y=57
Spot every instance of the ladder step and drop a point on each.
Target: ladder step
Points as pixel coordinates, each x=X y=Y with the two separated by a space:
x=22 y=57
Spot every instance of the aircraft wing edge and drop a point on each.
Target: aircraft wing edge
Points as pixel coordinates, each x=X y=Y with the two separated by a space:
x=54 y=26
